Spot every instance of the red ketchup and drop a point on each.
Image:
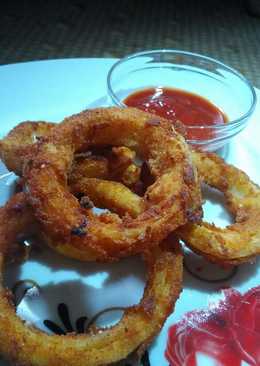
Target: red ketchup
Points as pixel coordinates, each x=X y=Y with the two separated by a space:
x=226 y=333
x=179 y=105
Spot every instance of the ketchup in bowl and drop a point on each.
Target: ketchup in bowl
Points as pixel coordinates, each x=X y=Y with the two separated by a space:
x=175 y=104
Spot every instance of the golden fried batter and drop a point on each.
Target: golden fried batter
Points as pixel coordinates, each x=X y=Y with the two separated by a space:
x=236 y=243
x=19 y=144
x=105 y=194
x=168 y=203
x=240 y=241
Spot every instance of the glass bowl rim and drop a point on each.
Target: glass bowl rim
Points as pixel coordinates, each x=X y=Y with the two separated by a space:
x=196 y=55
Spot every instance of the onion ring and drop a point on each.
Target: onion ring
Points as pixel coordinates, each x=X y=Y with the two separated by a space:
x=168 y=202
x=26 y=345
x=239 y=242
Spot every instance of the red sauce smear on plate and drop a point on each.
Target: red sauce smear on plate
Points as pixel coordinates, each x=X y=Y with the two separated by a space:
x=227 y=333
x=179 y=105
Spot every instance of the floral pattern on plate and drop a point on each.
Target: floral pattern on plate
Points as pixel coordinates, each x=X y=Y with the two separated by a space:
x=227 y=333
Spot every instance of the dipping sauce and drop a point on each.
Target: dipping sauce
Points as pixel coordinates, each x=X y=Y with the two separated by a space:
x=176 y=104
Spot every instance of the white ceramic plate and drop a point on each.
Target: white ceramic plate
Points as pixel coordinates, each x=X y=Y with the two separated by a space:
x=51 y=90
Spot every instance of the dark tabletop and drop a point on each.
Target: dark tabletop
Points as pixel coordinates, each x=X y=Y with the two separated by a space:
x=226 y=30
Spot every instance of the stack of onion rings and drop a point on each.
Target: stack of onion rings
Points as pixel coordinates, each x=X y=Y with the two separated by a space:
x=38 y=153
x=64 y=178
x=235 y=244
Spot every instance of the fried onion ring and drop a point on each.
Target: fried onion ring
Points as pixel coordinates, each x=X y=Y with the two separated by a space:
x=239 y=242
x=24 y=345
x=167 y=203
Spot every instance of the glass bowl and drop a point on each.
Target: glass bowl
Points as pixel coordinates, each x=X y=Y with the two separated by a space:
x=223 y=86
